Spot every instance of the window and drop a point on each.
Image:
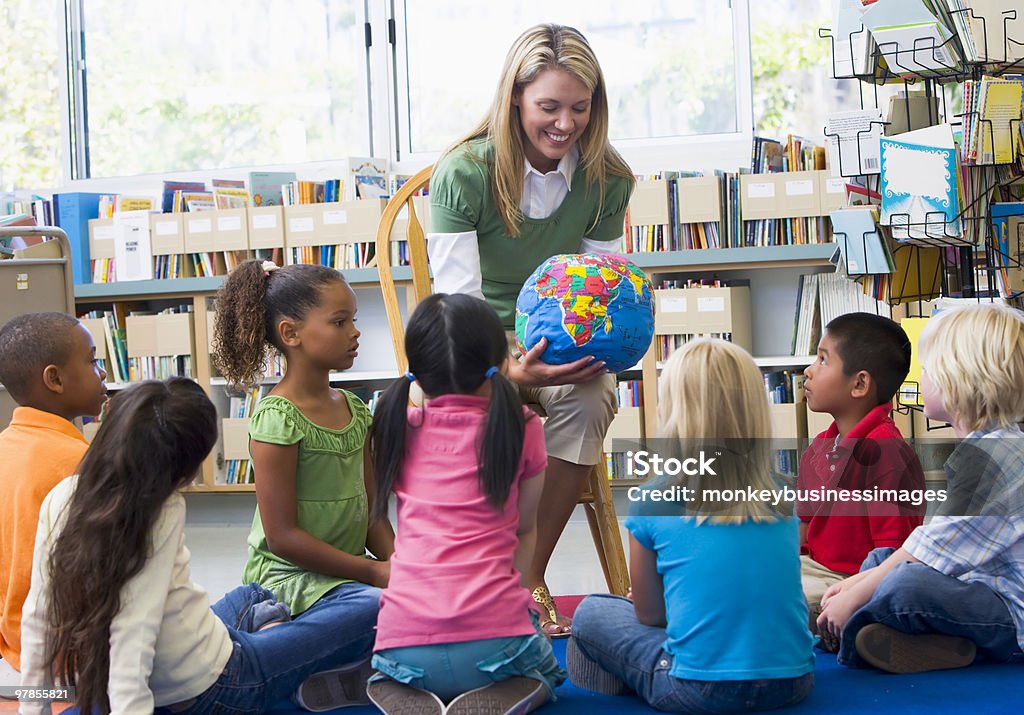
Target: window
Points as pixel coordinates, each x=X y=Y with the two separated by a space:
x=670 y=66
x=30 y=97
x=203 y=85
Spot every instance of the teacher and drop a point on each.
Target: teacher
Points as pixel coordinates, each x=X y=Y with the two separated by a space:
x=536 y=178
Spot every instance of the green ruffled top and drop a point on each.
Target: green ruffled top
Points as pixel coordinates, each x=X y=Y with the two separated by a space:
x=330 y=495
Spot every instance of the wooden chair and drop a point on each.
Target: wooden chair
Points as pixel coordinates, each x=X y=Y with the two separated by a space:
x=597 y=497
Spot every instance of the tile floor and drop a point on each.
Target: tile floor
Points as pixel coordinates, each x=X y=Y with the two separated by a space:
x=218 y=525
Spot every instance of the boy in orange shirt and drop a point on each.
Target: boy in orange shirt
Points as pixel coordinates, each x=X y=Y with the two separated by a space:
x=48 y=365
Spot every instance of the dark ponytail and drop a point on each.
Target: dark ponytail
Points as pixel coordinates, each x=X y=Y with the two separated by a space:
x=250 y=304
x=451 y=342
x=387 y=443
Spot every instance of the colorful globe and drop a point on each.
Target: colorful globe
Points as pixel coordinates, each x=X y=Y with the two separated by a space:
x=587 y=304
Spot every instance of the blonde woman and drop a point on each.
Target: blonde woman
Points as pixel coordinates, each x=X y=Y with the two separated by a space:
x=692 y=640
x=536 y=178
x=954 y=592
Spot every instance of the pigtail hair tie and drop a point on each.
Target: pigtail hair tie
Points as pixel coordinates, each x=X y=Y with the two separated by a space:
x=409 y=376
x=491 y=372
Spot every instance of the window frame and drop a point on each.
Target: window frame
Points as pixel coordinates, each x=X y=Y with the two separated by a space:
x=388 y=115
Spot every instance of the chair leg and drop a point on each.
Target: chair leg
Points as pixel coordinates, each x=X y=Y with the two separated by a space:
x=607 y=539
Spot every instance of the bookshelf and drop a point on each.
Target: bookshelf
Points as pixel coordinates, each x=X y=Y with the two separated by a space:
x=374 y=368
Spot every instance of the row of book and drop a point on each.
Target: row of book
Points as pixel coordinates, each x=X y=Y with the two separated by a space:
x=238 y=469
x=822 y=297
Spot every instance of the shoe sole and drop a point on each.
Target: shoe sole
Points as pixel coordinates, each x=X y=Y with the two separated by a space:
x=394 y=698
x=585 y=673
x=339 y=688
x=896 y=652
x=515 y=696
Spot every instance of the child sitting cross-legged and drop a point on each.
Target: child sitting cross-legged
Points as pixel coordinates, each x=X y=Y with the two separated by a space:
x=693 y=640
x=455 y=632
x=862 y=360
x=954 y=591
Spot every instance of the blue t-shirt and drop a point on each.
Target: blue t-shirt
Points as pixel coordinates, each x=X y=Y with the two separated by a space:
x=733 y=601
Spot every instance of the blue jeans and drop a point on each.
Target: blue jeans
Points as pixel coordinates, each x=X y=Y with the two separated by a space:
x=450 y=669
x=917 y=599
x=606 y=629
x=269 y=665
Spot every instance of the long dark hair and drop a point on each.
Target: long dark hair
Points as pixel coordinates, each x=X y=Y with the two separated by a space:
x=249 y=305
x=451 y=341
x=151 y=442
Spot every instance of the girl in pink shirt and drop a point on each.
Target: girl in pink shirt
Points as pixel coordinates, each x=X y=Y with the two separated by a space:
x=455 y=624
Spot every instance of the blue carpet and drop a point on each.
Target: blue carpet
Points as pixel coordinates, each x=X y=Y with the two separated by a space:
x=979 y=690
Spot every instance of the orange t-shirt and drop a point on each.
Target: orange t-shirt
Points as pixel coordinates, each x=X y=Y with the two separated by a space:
x=39 y=450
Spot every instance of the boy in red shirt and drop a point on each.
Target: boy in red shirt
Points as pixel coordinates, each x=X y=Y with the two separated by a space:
x=862 y=360
x=48 y=365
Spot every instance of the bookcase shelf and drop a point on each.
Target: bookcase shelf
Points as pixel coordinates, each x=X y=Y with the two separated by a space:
x=734 y=259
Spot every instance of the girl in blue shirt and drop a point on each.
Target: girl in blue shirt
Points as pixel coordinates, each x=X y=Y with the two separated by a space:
x=692 y=640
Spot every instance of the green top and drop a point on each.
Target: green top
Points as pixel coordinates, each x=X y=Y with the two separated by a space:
x=461 y=200
x=330 y=496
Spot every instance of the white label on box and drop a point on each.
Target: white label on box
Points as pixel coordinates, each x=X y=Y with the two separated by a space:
x=301 y=225
x=835 y=186
x=335 y=217
x=229 y=223
x=802 y=187
x=264 y=221
x=200 y=225
x=761 y=190
x=672 y=305
x=711 y=304
x=103 y=233
x=166 y=228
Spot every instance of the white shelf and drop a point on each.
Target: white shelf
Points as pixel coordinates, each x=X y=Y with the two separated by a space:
x=349 y=376
x=774 y=361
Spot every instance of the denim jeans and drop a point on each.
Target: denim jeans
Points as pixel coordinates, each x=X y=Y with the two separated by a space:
x=606 y=629
x=450 y=669
x=917 y=599
x=269 y=665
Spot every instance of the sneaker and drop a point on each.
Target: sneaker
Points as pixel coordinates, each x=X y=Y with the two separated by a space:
x=585 y=673
x=515 y=696
x=338 y=688
x=394 y=698
x=897 y=652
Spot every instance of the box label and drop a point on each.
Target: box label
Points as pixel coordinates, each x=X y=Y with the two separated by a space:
x=229 y=223
x=802 y=187
x=301 y=225
x=711 y=304
x=760 y=190
x=335 y=217
x=264 y=221
x=200 y=225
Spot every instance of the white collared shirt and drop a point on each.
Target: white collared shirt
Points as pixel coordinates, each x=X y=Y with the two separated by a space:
x=455 y=257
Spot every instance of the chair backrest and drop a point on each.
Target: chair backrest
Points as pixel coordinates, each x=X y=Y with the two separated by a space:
x=417 y=259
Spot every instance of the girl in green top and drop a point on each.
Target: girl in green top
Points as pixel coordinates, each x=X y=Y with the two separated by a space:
x=311 y=530
x=536 y=178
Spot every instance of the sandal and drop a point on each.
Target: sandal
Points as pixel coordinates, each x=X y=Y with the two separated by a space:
x=542 y=597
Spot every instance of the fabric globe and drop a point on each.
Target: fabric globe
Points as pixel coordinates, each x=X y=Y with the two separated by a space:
x=587 y=304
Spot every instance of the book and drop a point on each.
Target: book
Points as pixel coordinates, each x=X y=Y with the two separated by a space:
x=133 y=256
x=72 y=211
x=367 y=177
x=861 y=241
x=920 y=197
x=265 y=186
x=853 y=142
x=170 y=189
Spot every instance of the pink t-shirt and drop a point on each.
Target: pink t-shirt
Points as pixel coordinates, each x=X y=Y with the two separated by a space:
x=452 y=573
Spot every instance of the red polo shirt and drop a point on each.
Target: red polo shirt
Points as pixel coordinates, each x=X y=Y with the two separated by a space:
x=874 y=454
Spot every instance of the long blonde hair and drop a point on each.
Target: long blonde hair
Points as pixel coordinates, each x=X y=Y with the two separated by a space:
x=712 y=397
x=543 y=47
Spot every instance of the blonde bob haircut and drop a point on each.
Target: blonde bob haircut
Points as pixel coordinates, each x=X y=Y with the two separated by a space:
x=541 y=48
x=712 y=396
x=974 y=356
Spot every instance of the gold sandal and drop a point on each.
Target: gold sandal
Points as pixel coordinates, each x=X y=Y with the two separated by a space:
x=542 y=597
